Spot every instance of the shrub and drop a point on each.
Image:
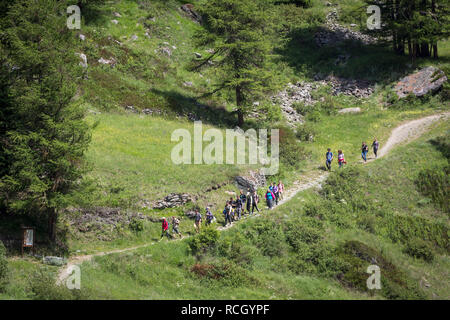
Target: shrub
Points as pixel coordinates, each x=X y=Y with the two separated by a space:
x=3 y=267
x=420 y=249
x=225 y=272
x=435 y=183
x=291 y=152
x=136 y=225
x=305 y=132
x=356 y=257
x=204 y=241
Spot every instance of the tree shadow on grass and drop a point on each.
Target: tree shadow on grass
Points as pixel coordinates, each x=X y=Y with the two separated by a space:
x=194 y=109
x=374 y=63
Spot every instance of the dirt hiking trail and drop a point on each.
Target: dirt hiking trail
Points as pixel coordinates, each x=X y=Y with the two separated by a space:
x=404 y=133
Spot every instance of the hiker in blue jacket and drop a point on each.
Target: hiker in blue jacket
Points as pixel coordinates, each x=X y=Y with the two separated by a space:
x=329 y=158
x=364 y=151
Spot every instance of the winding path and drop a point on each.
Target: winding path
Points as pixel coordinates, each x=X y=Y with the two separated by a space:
x=406 y=132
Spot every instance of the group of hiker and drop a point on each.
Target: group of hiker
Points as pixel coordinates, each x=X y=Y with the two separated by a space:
x=247 y=203
x=234 y=210
x=341 y=159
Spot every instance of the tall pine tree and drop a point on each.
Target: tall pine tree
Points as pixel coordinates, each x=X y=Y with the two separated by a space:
x=235 y=29
x=43 y=135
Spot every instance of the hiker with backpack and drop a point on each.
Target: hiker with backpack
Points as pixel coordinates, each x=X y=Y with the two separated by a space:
x=269 y=198
x=243 y=199
x=209 y=216
x=198 y=221
x=329 y=158
x=375 y=146
x=280 y=189
x=275 y=192
x=364 y=151
x=238 y=209
x=255 y=200
x=165 y=229
x=175 y=226
x=341 y=159
x=227 y=213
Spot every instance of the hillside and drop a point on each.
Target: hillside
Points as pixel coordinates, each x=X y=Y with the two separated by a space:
x=138 y=84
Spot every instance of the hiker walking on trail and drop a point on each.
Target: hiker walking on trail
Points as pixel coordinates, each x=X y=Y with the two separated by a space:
x=233 y=209
x=375 y=146
x=227 y=213
x=255 y=200
x=165 y=229
x=175 y=226
x=364 y=150
x=209 y=216
x=280 y=189
x=341 y=159
x=239 y=206
x=198 y=221
x=275 y=192
x=329 y=158
x=269 y=198
x=243 y=199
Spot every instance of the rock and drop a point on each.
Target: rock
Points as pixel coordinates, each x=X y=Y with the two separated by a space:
x=111 y=62
x=427 y=80
x=350 y=110
x=197 y=55
x=353 y=25
x=114 y=21
x=134 y=37
x=116 y=14
x=190 y=12
x=188 y=84
x=173 y=200
x=82 y=37
x=166 y=50
x=147 y=35
x=151 y=111
x=83 y=58
x=131 y=109
x=251 y=182
x=334 y=33
x=54 y=261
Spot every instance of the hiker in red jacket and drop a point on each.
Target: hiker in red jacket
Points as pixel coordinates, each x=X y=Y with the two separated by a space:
x=165 y=229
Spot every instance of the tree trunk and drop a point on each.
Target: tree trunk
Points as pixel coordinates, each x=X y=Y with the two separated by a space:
x=52 y=218
x=239 y=101
x=435 y=51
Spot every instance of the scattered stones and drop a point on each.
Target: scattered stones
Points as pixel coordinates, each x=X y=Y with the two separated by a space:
x=54 y=261
x=116 y=14
x=350 y=87
x=190 y=12
x=350 y=110
x=427 y=80
x=173 y=200
x=96 y=218
x=114 y=21
x=197 y=55
x=188 y=84
x=165 y=50
x=151 y=111
x=111 y=62
x=83 y=58
x=251 y=182
x=131 y=109
x=334 y=33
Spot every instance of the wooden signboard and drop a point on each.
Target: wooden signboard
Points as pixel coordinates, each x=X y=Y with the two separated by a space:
x=28 y=238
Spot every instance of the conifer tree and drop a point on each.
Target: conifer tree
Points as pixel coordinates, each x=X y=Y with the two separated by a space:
x=235 y=29
x=43 y=135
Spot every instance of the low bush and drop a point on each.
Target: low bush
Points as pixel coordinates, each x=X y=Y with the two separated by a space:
x=435 y=183
x=204 y=241
x=420 y=249
x=136 y=225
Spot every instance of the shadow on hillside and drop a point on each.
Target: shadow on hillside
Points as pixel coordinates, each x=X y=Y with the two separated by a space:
x=374 y=63
x=193 y=109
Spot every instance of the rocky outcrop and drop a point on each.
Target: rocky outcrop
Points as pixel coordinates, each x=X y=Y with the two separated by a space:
x=350 y=87
x=188 y=9
x=250 y=182
x=87 y=219
x=427 y=80
x=173 y=200
x=334 y=33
